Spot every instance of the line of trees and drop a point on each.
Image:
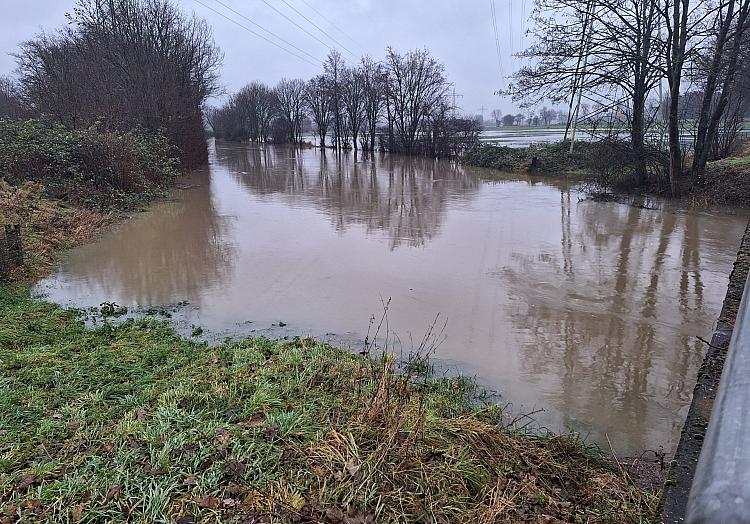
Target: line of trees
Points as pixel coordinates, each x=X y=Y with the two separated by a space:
x=543 y=116
x=400 y=104
x=123 y=64
x=622 y=52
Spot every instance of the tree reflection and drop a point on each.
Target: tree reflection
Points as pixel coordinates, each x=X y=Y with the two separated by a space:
x=406 y=197
x=621 y=358
x=172 y=253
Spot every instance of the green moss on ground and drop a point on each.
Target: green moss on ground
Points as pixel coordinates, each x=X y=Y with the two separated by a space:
x=131 y=423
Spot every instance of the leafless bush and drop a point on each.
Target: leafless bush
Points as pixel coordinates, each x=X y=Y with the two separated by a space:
x=125 y=64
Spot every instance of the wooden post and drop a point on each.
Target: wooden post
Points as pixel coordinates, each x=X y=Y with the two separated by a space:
x=4 y=259
x=11 y=252
x=13 y=241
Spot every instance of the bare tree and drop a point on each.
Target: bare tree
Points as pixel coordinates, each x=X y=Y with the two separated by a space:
x=374 y=77
x=600 y=48
x=547 y=115
x=353 y=99
x=731 y=30
x=290 y=103
x=416 y=85
x=255 y=103
x=10 y=99
x=333 y=69
x=318 y=96
x=126 y=63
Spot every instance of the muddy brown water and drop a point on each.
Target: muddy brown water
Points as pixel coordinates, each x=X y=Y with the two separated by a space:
x=589 y=311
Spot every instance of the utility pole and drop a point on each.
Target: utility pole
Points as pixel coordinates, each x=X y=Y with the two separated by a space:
x=482 y=110
x=587 y=38
x=578 y=77
x=456 y=95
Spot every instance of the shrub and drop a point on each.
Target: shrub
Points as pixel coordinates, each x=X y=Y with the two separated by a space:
x=86 y=166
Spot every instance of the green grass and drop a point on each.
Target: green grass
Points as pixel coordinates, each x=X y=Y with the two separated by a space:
x=733 y=161
x=131 y=423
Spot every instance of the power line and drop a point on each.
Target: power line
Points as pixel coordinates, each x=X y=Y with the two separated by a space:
x=267 y=31
x=296 y=24
x=317 y=27
x=321 y=15
x=523 y=24
x=257 y=34
x=510 y=25
x=497 y=42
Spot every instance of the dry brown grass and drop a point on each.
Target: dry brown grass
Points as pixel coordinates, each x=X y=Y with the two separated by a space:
x=48 y=226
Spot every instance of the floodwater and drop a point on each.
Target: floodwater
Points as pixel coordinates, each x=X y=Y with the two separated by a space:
x=589 y=311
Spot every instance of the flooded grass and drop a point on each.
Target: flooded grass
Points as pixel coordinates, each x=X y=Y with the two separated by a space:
x=132 y=423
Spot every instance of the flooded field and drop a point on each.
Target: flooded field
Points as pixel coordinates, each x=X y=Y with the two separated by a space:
x=587 y=310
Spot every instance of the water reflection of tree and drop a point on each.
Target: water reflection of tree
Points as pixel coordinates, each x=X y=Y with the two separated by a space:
x=625 y=358
x=172 y=253
x=406 y=197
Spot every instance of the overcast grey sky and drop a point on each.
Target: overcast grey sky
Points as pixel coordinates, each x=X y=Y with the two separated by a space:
x=458 y=33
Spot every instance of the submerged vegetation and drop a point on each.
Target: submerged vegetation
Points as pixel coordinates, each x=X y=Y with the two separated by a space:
x=129 y=422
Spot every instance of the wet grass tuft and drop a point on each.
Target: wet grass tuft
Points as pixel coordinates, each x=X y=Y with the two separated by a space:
x=131 y=423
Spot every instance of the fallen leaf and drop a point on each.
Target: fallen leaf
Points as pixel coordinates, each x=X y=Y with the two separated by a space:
x=360 y=518
x=233 y=468
x=222 y=436
x=114 y=492
x=271 y=432
x=33 y=505
x=25 y=482
x=190 y=480
x=156 y=471
x=57 y=416
x=335 y=515
x=352 y=467
x=233 y=491
x=141 y=414
x=185 y=519
x=207 y=502
x=254 y=421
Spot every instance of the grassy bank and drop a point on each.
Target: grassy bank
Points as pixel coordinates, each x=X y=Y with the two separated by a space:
x=727 y=181
x=548 y=158
x=608 y=166
x=64 y=185
x=132 y=423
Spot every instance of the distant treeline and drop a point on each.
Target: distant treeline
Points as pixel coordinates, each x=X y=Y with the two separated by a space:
x=401 y=104
x=120 y=65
